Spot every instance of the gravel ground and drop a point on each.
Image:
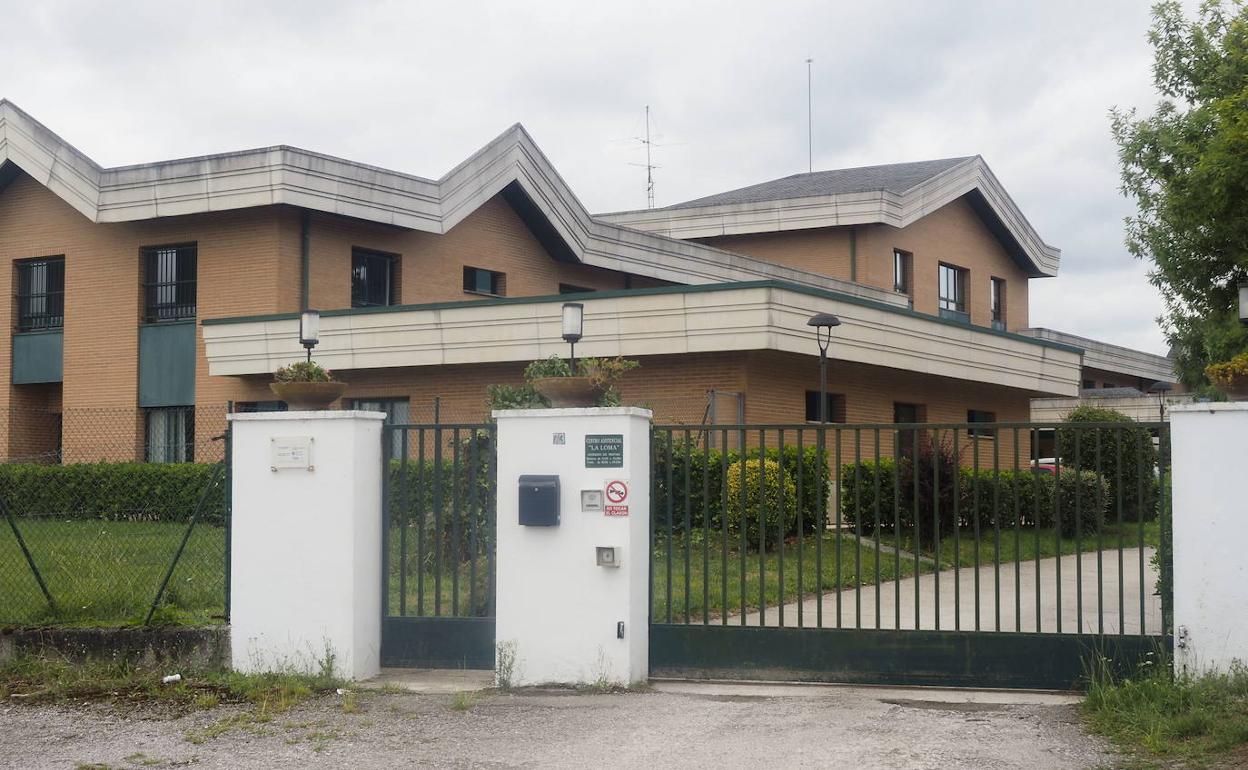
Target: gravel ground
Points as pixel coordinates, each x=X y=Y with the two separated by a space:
x=844 y=728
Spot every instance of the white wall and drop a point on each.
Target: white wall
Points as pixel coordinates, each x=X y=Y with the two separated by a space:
x=306 y=559
x=556 y=609
x=1210 y=535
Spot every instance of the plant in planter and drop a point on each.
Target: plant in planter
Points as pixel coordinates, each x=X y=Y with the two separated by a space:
x=1231 y=377
x=552 y=382
x=306 y=385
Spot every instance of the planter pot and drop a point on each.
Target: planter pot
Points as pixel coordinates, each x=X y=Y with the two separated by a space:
x=308 y=396
x=568 y=391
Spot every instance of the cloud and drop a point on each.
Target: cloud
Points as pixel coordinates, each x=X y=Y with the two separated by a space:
x=419 y=86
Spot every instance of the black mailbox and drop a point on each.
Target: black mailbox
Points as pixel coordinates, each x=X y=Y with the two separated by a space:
x=539 y=501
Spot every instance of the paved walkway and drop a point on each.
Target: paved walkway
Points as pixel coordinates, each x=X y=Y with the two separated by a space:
x=955 y=595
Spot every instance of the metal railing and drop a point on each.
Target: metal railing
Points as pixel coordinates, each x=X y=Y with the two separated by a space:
x=954 y=526
x=439 y=514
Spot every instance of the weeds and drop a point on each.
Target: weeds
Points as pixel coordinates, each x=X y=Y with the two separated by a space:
x=463 y=701
x=1159 y=716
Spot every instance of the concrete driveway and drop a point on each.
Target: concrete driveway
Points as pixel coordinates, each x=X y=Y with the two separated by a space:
x=1060 y=592
x=679 y=725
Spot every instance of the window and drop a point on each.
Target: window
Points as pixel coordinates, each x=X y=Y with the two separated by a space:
x=567 y=288
x=977 y=415
x=40 y=294
x=903 y=414
x=480 y=281
x=1089 y=384
x=169 y=283
x=374 y=278
x=836 y=407
x=170 y=434
x=997 y=302
x=953 y=293
x=901 y=271
x=396 y=410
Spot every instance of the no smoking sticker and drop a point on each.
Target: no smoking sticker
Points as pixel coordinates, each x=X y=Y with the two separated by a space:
x=617 y=498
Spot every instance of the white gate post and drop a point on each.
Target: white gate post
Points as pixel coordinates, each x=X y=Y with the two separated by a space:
x=1210 y=524
x=305 y=571
x=563 y=616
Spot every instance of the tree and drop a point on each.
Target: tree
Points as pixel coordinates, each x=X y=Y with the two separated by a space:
x=1186 y=166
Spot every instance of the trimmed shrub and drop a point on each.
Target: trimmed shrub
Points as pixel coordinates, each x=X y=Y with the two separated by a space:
x=1128 y=459
x=1087 y=490
x=763 y=494
x=128 y=491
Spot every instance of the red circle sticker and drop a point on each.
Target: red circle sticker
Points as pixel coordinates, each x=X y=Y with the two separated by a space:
x=617 y=491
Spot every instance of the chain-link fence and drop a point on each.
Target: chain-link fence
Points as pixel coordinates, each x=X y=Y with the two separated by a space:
x=113 y=516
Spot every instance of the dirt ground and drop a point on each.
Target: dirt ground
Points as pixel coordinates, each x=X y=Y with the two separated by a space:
x=689 y=727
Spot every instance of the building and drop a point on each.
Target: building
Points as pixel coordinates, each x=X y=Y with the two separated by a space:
x=152 y=296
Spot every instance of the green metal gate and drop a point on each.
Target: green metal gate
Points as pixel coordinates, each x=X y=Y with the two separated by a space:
x=925 y=554
x=438 y=545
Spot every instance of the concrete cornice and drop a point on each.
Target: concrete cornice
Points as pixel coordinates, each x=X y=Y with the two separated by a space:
x=730 y=318
x=295 y=177
x=1111 y=358
x=876 y=207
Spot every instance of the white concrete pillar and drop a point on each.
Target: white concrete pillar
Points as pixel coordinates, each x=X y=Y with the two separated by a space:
x=305 y=572
x=562 y=618
x=1210 y=535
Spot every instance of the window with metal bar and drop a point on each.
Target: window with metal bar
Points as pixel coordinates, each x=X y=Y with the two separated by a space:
x=374 y=278
x=169 y=283
x=481 y=281
x=396 y=410
x=953 y=293
x=170 y=434
x=40 y=294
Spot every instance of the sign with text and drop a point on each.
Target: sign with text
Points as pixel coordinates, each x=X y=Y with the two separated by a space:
x=290 y=452
x=604 y=450
x=617 y=498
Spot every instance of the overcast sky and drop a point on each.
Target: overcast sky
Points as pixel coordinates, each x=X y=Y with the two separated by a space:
x=418 y=86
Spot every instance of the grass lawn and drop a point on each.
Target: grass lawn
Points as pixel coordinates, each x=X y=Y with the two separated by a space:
x=1026 y=546
x=1162 y=721
x=108 y=572
x=463 y=590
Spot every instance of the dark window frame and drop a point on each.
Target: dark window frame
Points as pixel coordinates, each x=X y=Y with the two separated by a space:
x=906 y=437
x=366 y=292
x=996 y=302
x=169 y=450
x=497 y=283
x=387 y=404
x=40 y=308
x=570 y=288
x=836 y=407
x=952 y=279
x=903 y=271
x=981 y=415
x=169 y=296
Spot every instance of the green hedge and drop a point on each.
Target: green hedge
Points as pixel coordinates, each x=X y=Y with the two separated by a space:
x=114 y=491
x=1127 y=459
x=992 y=501
x=694 y=470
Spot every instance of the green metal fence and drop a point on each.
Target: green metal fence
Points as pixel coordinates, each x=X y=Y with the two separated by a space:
x=935 y=531
x=93 y=535
x=438 y=544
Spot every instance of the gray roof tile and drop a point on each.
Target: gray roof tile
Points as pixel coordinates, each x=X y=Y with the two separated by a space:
x=894 y=178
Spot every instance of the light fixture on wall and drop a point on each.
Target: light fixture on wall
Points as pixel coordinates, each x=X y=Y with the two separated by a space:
x=573 y=327
x=823 y=323
x=309 y=330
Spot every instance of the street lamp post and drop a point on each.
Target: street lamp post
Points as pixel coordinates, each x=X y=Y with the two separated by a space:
x=573 y=327
x=823 y=323
x=309 y=330
x=1161 y=388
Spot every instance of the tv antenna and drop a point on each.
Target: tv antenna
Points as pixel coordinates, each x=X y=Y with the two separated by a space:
x=648 y=143
x=810 y=121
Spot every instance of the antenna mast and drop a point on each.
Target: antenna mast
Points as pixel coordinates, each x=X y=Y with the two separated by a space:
x=810 y=122
x=649 y=165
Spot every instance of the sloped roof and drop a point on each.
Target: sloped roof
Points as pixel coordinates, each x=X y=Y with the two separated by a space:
x=894 y=177
x=511 y=165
